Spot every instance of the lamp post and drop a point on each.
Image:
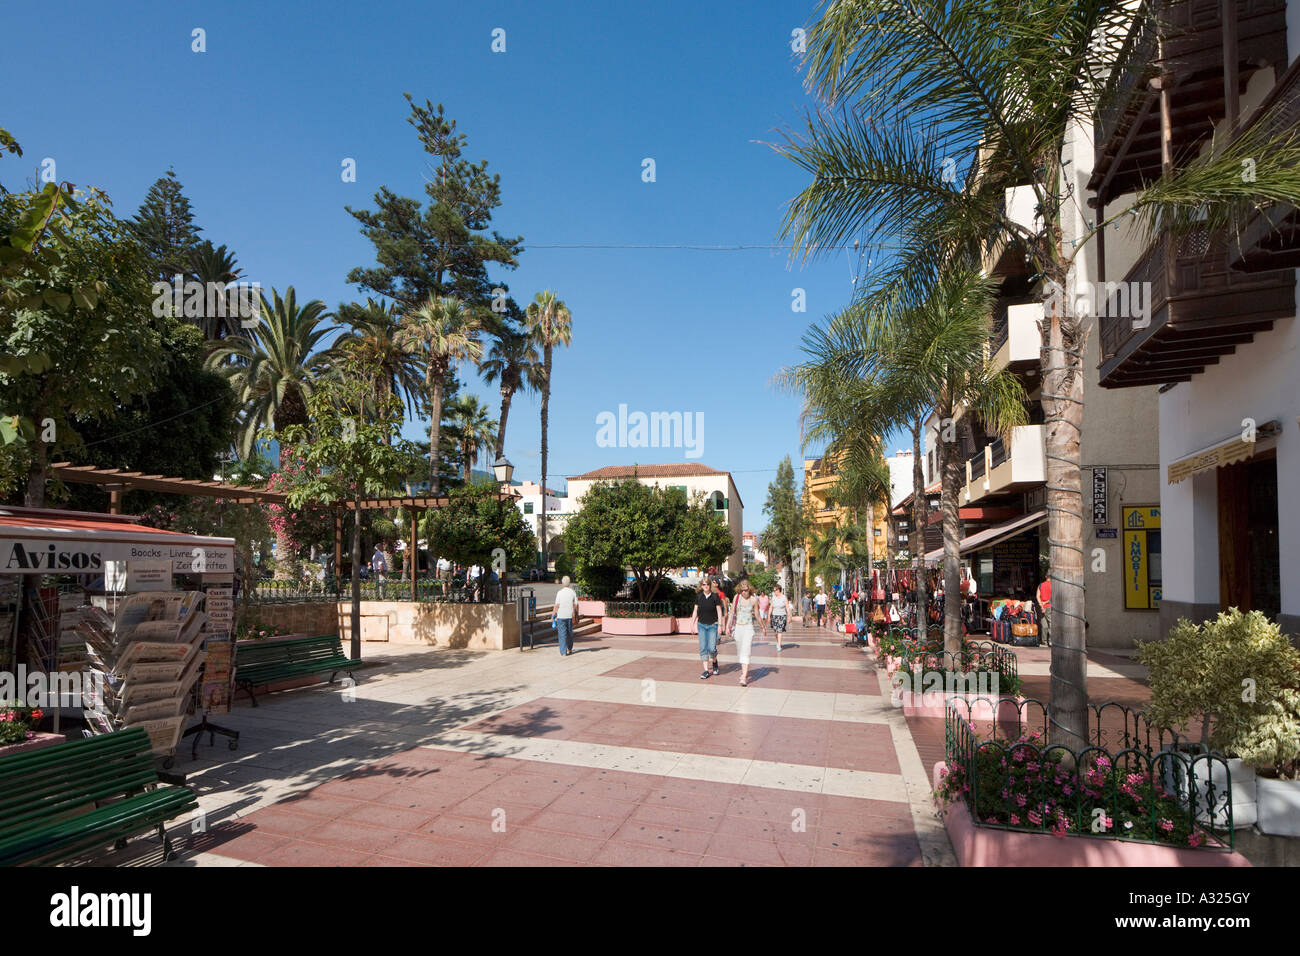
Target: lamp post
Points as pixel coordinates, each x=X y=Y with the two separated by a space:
x=503 y=470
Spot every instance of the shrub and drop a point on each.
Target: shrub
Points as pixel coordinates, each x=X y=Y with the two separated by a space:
x=16 y=723
x=598 y=581
x=1240 y=677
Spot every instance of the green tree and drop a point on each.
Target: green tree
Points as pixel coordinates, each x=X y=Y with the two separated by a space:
x=180 y=427
x=443 y=332
x=475 y=523
x=215 y=265
x=444 y=248
x=908 y=88
x=550 y=324
x=475 y=428
x=373 y=337
x=514 y=365
x=165 y=227
x=77 y=339
x=787 y=525
x=647 y=529
x=347 y=457
x=275 y=368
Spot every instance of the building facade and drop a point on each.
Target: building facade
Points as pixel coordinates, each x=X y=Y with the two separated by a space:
x=717 y=487
x=1220 y=342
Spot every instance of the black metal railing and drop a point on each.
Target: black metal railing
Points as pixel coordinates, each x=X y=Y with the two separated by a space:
x=977 y=465
x=393 y=589
x=1001 y=330
x=1133 y=781
x=998 y=451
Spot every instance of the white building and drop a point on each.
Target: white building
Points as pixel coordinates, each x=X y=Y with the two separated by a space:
x=717 y=487
x=529 y=502
x=900 y=476
x=1218 y=336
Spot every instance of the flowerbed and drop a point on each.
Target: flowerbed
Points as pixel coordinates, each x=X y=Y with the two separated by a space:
x=1021 y=784
x=16 y=723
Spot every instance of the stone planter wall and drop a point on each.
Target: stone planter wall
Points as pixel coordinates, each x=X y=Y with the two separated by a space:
x=35 y=742
x=682 y=625
x=637 y=626
x=310 y=618
x=434 y=624
x=1278 y=806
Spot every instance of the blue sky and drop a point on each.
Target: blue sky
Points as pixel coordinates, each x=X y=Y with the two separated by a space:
x=257 y=127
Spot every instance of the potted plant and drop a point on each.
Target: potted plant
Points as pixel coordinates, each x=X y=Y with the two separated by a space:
x=1239 y=676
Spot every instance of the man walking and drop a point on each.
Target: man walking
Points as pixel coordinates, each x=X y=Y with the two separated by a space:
x=566 y=601
x=704 y=618
x=821 y=606
x=379 y=565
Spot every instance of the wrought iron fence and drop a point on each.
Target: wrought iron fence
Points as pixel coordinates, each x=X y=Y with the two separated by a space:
x=393 y=589
x=1133 y=781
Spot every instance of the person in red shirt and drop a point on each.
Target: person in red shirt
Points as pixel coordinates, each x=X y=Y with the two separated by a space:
x=1043 y=597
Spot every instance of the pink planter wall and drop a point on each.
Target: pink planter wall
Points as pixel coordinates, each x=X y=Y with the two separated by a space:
x=35 y=742
x=591 y=608
x=682 y=625
x=983 y=846
x=981 y=706
x=637 y=626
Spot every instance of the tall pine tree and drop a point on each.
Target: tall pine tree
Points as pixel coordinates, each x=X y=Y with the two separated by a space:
x=164 y=225
x=444 y=248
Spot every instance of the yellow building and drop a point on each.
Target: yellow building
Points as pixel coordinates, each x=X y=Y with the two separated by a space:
x=819 y=478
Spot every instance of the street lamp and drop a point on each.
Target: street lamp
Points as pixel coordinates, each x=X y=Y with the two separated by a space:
x=503 y=470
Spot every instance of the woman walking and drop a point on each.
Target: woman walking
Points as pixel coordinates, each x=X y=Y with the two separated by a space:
x=780 y=613
x=763 y=605
x=706 y=618
x=740 y=623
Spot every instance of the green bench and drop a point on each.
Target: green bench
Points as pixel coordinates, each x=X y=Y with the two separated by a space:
x=65 y=801
x=259 y=664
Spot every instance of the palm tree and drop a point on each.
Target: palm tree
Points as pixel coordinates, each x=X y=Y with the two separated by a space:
x=273 y=370
x=471 y=420
x=549 y=324
x=995 y=86
x=215 y=265
x=372 y=340
x=513 y=362
x=863 y=481
x=444 y=332
x=875 y=370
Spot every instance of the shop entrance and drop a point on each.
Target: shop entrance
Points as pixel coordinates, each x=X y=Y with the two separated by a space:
x=1250 y=576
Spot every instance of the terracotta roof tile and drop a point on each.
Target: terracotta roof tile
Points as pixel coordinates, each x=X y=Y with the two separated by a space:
x=683 y=470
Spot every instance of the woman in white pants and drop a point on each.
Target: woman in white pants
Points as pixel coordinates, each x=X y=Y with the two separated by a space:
x=740 y=622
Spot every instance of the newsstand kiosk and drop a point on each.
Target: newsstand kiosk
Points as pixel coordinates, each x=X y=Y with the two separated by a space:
x=116 y=623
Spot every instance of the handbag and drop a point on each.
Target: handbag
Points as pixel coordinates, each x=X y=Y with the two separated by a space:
x=1024 y=629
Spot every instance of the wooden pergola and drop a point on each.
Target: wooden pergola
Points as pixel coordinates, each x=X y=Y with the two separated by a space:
x=117 y=481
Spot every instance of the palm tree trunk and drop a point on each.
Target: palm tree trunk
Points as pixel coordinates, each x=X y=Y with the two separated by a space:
x=546 y=407
x=506 y=395
x=466 y=451
x=1063 y=408
x=949 y=461
x=917 y=539
x=435 y=429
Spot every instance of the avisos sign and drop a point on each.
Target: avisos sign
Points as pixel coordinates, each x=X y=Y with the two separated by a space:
x=89 y=556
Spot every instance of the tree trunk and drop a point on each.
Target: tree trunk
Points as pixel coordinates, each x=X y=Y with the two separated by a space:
x=506 y=395
x=435 y=431
x=546 y=406
x=949 y=483
x=36 y=471
x=356 y=578
x=466 y=452
x=1062 y=361
x=917 y=538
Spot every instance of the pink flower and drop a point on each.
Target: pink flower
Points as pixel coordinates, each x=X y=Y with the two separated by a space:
x=1196 y=838
x=1035 y=818
x=1015 y=820
x=1020 y=800
x=1167 y=825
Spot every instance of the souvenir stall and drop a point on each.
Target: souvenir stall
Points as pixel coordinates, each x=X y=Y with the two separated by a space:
x=112 y=624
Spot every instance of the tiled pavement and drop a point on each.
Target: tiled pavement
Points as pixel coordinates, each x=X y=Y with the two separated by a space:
x=616 y=755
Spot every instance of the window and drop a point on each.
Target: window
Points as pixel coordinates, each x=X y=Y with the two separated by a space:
x=528 y=507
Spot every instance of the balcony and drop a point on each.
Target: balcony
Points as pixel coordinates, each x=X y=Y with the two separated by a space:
x=1197 y=310
x=1004 y=253
x=1004 y=467
x=1271 y=237
x=1180 y=42
x=1016 y=341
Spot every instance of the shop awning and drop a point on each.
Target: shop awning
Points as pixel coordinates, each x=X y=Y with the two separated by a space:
x=1227 y=452
x=991 y=536
x=70 y=543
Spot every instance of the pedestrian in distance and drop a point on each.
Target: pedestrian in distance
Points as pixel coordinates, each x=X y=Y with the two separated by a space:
x=740 y=624
x=379 y=565
x=705 y=618
x=562 y=610
x=821 y=606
